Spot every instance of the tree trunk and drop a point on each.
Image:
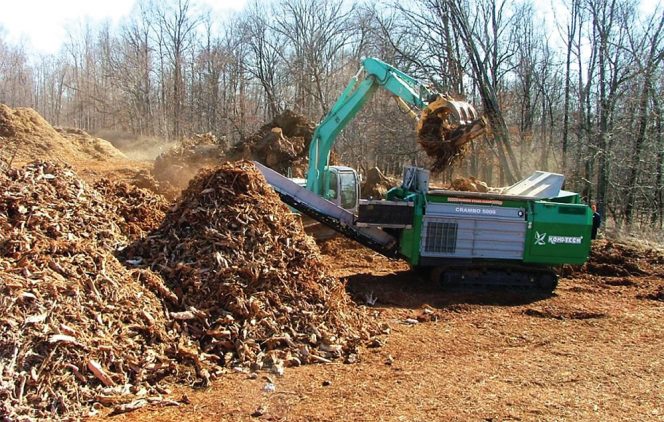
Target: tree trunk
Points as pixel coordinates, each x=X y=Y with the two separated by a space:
x=508 y=163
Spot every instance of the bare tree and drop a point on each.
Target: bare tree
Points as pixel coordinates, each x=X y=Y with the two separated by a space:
x=266 y=54
x=485 y=73
x=177 y=27
x=651 y=45
x=571 y=29
x=316 y=33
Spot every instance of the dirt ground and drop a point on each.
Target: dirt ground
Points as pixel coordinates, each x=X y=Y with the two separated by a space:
x=590 y=351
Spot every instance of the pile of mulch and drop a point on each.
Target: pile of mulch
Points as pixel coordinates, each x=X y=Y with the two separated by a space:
x=281 y=144
x=77 y=327
x=145 y=180
x=138 y=210
x=225 y=278
x=25 y=136
x=88 y=146
x=614 y=259
x=251 y=287
x=175 y=167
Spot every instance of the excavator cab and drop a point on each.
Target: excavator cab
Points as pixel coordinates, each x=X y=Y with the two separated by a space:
x=343 y=187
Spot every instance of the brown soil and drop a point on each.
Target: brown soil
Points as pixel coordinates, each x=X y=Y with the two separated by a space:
x=590 y=351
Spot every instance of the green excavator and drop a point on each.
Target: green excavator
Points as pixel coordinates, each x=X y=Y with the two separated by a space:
x=514 y=236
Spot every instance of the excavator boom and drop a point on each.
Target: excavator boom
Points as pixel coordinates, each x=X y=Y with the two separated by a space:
x=453 y=121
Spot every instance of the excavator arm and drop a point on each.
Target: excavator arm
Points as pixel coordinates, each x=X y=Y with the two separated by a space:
x=457 y=120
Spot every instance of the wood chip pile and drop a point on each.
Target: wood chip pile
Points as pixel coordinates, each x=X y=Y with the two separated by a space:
x=280 y=144
x=626 y=263
x=243 y=286
x=26 y=136
x=470 y=184
x=608 y=258
x=88 y=146
x=76 y=326
x=249 y=285
x=138 y=210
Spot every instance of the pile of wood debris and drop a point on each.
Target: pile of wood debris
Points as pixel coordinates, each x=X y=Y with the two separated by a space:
x=444 y=129
x=179 y=164
x=281 y=144
x=627 y=263
x=71 y=331
x=249 y=285
x=470 y=184
x=620 y=259
x=376 y=184
x=138 y=210
x=431 y=133
x=244 y=287
x=26 y=136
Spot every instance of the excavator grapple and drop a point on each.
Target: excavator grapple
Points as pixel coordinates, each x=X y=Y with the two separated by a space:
x=445 y=126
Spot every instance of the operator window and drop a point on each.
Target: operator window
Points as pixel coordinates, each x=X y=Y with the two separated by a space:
x=333 y=185
x=348 y=190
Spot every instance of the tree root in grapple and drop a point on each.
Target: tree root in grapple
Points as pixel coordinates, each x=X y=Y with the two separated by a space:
x=432 y=136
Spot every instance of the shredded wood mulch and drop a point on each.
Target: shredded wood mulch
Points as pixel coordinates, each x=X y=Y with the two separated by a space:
x=628 y=265
x=72 y=332
x=138 y=210
x=243 y=286
x=25 y=135
x=251 y=287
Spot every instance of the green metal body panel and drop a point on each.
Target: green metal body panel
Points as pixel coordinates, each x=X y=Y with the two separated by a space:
x=566 y=197
x=558 y=233
x=558 y=230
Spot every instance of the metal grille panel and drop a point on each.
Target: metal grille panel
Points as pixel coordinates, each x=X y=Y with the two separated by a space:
x=441 y=237
x=484 y=237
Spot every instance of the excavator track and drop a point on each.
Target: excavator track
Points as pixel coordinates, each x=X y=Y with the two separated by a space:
x=495 y=276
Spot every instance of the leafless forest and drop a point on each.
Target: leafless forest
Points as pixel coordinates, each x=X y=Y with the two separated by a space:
x=573 y=88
